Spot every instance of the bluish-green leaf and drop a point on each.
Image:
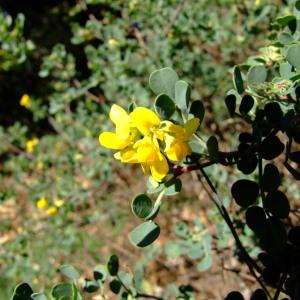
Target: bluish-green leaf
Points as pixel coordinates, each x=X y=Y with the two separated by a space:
x=163 y=82
x=90 y=286
x=285 y=70
x=144 y=234
x=164 y=106
x=141 y=206
x=113 y=265
x=38 y=296
x=23 y=291
x=238 y=80
x=69 y=271
x=173 y=187
x=100 y=273
x=293 y=56
x=62 y=290
x=212 y=147
x=257 y=74
x=197 y=110
x=182 y=94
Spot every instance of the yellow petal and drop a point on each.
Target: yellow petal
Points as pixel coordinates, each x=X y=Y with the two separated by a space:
x=51 y=211
x=144 y=118
x=118 y=115
x=147 y=151
x=191 y=126
x=128 y=155
x=113 y=141
x=42 y=203
x=159 y=169
x=178 y=151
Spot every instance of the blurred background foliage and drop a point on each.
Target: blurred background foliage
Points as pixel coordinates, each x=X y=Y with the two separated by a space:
x=62 y=65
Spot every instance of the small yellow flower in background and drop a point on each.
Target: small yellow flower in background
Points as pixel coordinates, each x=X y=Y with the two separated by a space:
x=51 y=211
x=59 y=202
x=113 y=43
x=39 y=165
x=42 y=203
x=25 y=101
x=30 y=144
x=140 y=135
x=78 y=156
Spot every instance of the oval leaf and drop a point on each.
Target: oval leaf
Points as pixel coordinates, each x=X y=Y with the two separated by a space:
x=164 y=106
x=163 y=82
x=293 y=56
x=257 y=74
x=144 y=234
x=182 y=94
x=245 y=192
x=141 y=206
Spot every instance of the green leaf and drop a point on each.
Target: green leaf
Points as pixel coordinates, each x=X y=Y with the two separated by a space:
x=284 y=21
x=38 y=296
x=173 y=187
x=277 y=204
x=245 y=192
x=205 y=263
x=100 y=273
x=163 y=82
x=293 y=56
x=212 y=147
x=69 y=271
x=230 y=102
x=238 y=80
x=141 y=206
x=152 y=215
x=182 y=94
x=256 y=219
x=271 y=178
x=90 y=286
x=23 y=291
x=285 y=70
x=113 y=265
x=257 y=74
x=275 y=236
x=144 y=234
x=197 y=110
x=62 y=290
x=285 y=38
x=246 y=104
x=164 y=106
x=115 y=286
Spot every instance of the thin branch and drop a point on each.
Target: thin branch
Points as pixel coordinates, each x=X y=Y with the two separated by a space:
x=249 y=261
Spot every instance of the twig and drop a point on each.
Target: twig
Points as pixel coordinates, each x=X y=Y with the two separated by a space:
x=174 y=18
x=249 y=261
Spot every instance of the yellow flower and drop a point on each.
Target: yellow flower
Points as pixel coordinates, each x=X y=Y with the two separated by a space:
x=125 y=133
x=42 y=203
x=112 y=43
x=30 y=144
x=39 y=165
x=25 y=101
x=51 y=211
x=141 y=135
x=59 y=202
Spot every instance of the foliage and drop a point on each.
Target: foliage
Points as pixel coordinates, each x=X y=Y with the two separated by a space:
x=113 y=46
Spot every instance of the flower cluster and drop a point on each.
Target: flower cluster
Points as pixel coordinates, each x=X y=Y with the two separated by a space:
x=52 y=209
x=141 y=135
x=30 y=144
